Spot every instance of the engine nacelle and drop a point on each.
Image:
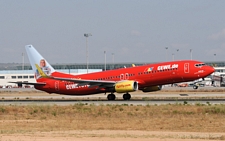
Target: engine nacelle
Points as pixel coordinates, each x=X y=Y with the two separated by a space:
x=152 y=88
x=126 y=86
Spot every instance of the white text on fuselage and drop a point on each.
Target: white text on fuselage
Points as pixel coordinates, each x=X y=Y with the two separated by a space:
x=75 y=86
x=166 y=67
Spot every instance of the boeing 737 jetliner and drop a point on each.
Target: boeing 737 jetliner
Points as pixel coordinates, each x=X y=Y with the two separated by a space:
x=146 y=78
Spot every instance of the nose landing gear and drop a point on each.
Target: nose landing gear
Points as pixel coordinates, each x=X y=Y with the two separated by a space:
x=195 y=86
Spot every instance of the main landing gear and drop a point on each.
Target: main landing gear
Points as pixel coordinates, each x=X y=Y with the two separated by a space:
x=112 y=96
x=126 y=96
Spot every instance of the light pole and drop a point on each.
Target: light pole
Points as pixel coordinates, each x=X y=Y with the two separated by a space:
x=166 y=53
x=87 y=35
x=113 y=59
x=177 y=51
x=214 y=57
x=173 y=56
x=22 y=61
x=105 y=59
x=191 y=53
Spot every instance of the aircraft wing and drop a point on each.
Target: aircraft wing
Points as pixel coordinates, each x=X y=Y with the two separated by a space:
x=29 y=83
x=80 y=81
x=86 y=82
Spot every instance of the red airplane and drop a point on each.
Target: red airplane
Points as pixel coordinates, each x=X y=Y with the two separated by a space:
x=146 y=78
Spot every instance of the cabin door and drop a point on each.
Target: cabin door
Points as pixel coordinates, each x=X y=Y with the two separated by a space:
x=57 y=85
x=121 y=76
x=186 y=67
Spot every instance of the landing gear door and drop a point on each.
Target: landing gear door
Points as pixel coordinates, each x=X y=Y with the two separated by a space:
x=186 y=68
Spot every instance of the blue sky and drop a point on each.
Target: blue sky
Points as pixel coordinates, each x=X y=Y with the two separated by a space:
x=134 y=30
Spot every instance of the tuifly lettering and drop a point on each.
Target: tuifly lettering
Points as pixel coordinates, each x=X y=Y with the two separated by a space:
x=123 y=85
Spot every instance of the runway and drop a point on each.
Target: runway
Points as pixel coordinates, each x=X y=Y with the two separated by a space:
x=170 y=95
x=128 y=103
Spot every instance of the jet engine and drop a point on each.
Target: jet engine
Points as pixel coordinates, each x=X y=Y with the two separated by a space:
x=126 y=86
x=152 y=88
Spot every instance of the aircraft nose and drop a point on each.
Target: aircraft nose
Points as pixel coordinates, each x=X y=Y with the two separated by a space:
x=211 y=69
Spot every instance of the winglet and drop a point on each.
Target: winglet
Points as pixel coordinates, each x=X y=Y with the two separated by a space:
x=41 y=72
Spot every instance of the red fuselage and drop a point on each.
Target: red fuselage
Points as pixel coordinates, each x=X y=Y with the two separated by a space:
x=145 y=76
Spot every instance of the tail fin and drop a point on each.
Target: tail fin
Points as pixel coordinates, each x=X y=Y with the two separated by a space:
x=36 y=58
x=41 y=72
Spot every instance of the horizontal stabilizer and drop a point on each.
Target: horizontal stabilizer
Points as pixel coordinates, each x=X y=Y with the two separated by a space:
x=30 y=83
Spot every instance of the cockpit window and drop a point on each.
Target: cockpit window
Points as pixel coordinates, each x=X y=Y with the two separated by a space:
x=199 y=65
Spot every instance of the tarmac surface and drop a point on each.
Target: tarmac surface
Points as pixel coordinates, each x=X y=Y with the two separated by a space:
x=169 y=95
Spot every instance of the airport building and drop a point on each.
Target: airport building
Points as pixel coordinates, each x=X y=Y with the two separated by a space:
x=23 y=73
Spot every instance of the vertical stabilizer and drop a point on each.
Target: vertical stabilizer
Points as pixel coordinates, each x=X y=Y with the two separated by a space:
x=35 y=58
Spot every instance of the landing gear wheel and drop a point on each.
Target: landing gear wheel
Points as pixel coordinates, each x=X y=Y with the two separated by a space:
x=111 y=97
x=126 y=96
x=195 y=87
